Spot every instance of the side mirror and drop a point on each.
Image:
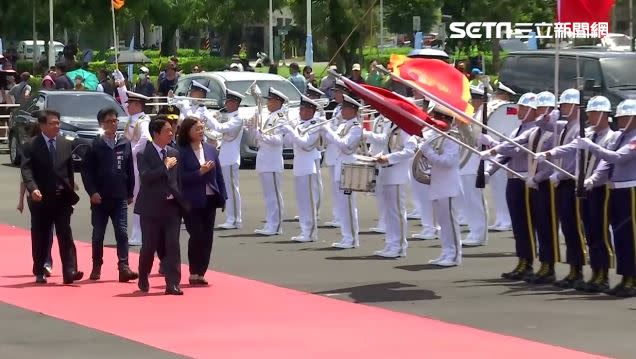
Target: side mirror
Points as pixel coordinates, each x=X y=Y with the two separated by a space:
x=589 y=85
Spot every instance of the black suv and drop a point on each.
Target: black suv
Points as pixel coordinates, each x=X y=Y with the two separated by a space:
x=606 y=73
x=78 y=111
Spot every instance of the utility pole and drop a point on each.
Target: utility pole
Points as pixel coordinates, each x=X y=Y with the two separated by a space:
x=381 y=25
x=309 y=46
x=631 y=24
x=51 y=47
x=271 y=31
x=36 y=48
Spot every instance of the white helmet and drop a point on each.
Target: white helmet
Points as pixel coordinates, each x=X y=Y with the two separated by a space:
x=572 y=96
x=599 y=103
x=546 y=99
x=626 y=108
x=528 y=99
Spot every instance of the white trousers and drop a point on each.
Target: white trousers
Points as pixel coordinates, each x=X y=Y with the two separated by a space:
x=393 y=203
x=379 y=189
x=335 y=190
x=498 y=183
x=306 y=194
x=474 y=205
x=135 y=232
x=318 y=184
x=271 y=184
x=450 y=234
x=233 y=204
x=423 y=204
x=348 y=209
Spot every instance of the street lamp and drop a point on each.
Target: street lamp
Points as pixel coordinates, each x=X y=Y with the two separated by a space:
x=309 y=47
x=51 y=47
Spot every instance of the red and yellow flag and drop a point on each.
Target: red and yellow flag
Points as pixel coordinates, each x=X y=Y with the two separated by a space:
x=436 y=77
x=118 y=4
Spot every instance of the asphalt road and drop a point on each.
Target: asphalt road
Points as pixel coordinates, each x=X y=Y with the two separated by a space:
x=471 y=294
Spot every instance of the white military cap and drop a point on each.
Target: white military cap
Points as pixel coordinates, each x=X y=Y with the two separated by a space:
x=274 y=93
x=440 y=109
x=198 y=86
x=307 y=102
x=599 y=103
x=505 y=88
x=314 y=90
x=626 y=108
x=133 y=96
x=340 y=85
x=144 y=69
x=546 y=99
x=528 y=99
x=572 y=96
x=350 y=102
x=233 y=95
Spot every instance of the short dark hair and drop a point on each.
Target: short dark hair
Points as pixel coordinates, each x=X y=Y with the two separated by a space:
x=44 y=115
x=60 y=66
x=155 y=126
x=101 y=115
x=171 y=119
x=183 y=138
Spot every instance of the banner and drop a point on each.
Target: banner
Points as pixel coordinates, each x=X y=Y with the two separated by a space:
x=588 y=11
x=118 y=4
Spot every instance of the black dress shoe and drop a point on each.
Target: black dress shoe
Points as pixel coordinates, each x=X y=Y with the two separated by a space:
x=77 y=275
x=200 y=281
x=143 y=284
x=173 y=290
x=48 y=271
x=96 y=273
x=40 y=279
x=126 y=274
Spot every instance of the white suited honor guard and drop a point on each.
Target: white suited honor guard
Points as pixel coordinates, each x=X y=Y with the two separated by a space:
x=193 y=108
x=315 y=94
x=331 y=151
x=269 y=163
x=346 y=139
x=230 y=126
x=304 y=140
x=445 y=188
x=137 y=133
x=473 y=202
x=378 y=140
x=394 y=176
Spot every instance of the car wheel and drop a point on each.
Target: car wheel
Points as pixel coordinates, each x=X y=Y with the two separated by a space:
x=14 y=150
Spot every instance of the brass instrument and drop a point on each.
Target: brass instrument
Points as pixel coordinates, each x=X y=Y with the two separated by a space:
x=255 y=92
x=421 y=168
x=310 y=128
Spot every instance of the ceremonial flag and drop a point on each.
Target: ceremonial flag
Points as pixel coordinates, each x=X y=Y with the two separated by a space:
x=394 y=107
x=436 y=77
x=587 y=11
x=118 y=4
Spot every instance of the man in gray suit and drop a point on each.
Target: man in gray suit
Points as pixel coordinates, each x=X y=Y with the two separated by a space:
x=160 y=205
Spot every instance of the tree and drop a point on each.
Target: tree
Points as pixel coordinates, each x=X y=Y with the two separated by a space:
x=397 y=14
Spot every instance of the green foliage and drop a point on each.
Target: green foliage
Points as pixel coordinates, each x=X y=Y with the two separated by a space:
x=398 y=14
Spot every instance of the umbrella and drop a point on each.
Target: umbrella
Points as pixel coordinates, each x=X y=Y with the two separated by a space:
x=90 y=80
x=129 y=57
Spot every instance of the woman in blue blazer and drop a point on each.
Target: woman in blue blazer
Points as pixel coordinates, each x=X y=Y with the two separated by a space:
x=203 y=188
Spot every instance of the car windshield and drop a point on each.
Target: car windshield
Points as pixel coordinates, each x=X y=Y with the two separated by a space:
x=283 y=86
x=83 y=106
x=616 y=73
x=618 y=40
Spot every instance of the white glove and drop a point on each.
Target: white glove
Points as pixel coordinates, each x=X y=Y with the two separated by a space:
x=555 y=115
x=486 y=177
x=554 y=179
x=484 y=155
x=427 y=149
x=588 y=184
x=485 y=140
x=287 y=129
x=531 y=183
x=541 y=156
x=583 y=143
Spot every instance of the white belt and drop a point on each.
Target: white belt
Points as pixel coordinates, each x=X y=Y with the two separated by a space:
x=625 y=184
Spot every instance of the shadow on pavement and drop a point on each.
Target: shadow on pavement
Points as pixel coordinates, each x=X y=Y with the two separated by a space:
x=384 y=292
x=245 y=235
x=419 y=267
x=359 y=258
x=488 y=255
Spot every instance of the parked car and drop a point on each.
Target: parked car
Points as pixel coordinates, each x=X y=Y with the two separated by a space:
x=604 y=73
x=25 y=49
x=219 y=81
x=78 y=111
x=616 y=42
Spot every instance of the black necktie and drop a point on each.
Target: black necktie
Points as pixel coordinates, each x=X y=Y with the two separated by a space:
x=616 y=146
x=163 y=155
x=52 y=150
x=535 y=143
x=589 y=153
x=565 y=131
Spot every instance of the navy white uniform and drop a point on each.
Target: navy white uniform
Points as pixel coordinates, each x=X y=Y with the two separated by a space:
x=346 y=140
x=331 y=154
x=394 y=178
x=189 y=108
x=269 y=166
x=231 y=129
x=378 y=140
x=315 y=94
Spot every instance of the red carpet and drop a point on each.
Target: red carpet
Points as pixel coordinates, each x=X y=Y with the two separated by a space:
x=241 y=318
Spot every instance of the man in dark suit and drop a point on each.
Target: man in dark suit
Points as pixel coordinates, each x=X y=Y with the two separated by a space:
x=160 y=205
x=109 y=180
x=47 y=172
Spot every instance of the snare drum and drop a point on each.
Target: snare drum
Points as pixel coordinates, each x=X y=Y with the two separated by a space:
x=358 y=177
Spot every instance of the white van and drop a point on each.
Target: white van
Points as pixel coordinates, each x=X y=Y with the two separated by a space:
x=25 y=48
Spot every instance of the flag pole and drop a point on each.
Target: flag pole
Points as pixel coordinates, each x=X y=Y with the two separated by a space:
x=115 y=44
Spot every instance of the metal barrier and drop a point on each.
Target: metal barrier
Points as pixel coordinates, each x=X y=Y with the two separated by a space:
x=4 y=125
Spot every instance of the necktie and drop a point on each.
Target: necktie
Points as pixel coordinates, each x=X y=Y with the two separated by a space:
x=616 y=146
x=535 y=143
x=565 y=131
x=52 y=150
x=589 y=154
x=163 y=155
